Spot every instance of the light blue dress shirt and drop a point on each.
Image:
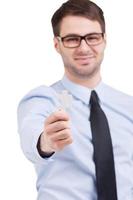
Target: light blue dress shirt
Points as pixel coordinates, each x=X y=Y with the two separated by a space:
x=70 y=173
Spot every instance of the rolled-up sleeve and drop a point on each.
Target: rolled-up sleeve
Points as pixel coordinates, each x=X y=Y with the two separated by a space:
x=32 y=111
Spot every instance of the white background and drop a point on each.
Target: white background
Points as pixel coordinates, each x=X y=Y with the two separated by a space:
x=28 y=59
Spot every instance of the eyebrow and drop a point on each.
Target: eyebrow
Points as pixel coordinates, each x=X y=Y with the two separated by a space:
x=75 y=35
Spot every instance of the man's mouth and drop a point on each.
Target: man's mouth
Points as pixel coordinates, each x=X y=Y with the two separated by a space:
x=84 y=59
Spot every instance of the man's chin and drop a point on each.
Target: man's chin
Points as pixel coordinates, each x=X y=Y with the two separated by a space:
x=85 y=71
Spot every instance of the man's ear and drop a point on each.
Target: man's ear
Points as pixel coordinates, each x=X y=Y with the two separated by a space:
x=105 y=38
x=56 y=44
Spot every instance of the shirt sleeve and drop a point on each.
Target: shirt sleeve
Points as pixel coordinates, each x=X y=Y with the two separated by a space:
x=32 y=111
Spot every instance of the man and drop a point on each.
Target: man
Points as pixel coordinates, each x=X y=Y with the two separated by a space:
x=62 y=140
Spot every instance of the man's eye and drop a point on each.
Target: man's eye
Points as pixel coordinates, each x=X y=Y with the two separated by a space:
x=95 y=37
x=72 y=39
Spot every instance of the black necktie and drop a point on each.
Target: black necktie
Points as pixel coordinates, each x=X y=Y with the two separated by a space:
x=103 y=151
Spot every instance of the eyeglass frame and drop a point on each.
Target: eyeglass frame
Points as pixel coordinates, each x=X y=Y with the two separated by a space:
x=81 y=38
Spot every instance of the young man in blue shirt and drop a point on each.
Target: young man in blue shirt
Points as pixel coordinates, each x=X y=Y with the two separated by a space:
x=59 y=141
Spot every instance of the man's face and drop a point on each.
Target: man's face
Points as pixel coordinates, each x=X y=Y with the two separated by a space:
x=84 y=61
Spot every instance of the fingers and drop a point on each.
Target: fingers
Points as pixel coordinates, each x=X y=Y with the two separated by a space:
x=57 y=116
x=56 y=141
x=57 y=126
x=60 y=144
x=60 y=139
x=61 y=135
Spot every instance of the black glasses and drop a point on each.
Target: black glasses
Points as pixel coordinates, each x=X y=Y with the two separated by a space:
x=73 y=41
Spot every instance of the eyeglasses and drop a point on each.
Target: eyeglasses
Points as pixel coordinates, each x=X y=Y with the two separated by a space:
x=73 y=41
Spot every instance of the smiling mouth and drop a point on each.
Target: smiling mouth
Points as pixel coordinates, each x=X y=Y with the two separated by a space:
x=84 y=60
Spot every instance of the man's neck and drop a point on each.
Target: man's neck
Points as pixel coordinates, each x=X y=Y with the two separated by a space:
x=88 y=82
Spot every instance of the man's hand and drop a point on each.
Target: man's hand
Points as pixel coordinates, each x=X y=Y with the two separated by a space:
x=56 y=133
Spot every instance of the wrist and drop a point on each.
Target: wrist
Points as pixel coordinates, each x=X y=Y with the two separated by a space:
x=43 y=148
x=44 y=144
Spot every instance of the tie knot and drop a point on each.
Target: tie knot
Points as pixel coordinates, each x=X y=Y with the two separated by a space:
x=94 y=100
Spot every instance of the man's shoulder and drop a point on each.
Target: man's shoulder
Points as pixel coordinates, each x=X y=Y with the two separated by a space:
x=116 y=93
x=119 y=98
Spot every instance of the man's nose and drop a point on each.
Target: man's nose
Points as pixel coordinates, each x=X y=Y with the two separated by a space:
x=84 y=46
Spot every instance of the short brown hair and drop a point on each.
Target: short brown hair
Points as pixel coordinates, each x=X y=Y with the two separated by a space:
x=84 y=8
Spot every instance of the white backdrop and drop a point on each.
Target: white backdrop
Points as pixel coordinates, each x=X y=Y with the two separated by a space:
x=28 y=59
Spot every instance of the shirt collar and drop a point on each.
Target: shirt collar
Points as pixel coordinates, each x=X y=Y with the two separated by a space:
x=81 y=92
